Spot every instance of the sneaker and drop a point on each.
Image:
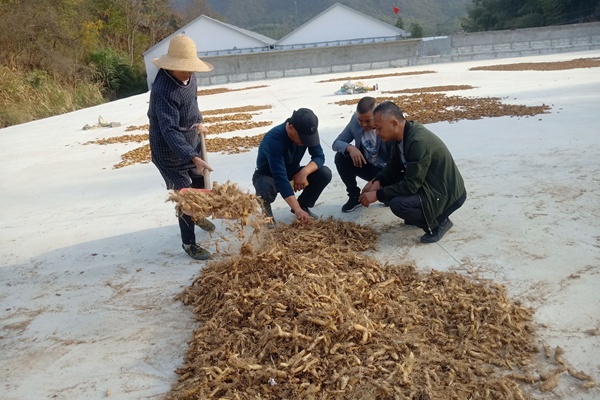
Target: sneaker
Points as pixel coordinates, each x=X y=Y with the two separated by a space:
x=312 y=215
x=205 y=224
x=351 y=205
x=438 y=232
x=196 y=252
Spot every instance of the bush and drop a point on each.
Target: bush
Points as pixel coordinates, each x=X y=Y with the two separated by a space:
x=26 y=97
x=117 y=78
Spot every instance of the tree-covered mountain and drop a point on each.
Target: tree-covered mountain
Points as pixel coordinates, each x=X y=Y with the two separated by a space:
x=275 y=18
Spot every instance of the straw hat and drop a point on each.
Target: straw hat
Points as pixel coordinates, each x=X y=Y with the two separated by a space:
x=182 y=56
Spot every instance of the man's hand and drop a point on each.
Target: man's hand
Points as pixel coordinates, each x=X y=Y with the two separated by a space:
x=202 y=130
x=302 y=215
x=367 y=198
x=357 y=157
x=201 y=165
x=300 y=180
x=371 y=187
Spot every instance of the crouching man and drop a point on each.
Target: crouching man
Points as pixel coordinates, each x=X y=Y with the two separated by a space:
x=421 y=182
x=278 y=168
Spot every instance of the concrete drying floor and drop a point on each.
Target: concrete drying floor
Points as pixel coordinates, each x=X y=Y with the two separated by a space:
x=90 y=258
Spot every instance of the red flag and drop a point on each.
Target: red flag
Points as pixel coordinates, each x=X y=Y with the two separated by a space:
x=396 y=10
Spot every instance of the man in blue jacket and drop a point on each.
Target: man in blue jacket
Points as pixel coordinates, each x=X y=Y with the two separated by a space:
x=278 y=168
x=366 y=157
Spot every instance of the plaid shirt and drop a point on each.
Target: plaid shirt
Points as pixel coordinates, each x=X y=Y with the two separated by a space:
x=173 y=115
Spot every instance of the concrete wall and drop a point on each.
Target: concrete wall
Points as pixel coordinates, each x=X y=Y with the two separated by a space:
x=309 y=61
x=526 y=42
x=369 y=56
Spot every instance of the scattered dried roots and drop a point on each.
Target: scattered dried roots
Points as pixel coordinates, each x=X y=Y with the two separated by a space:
x=428 y=108
x=446 y=88
x=350 y=78
x=308 y=316
x=233 y=145
x=206 y=92
x=225 y=201
x=236 y=109
x=236 y=126
x=543 y=66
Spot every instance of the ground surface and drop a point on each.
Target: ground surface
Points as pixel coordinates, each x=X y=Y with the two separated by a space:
x=91 y=261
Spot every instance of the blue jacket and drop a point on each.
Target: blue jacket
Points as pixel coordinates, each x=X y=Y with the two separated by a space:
x=279 y=157
x=353 y=132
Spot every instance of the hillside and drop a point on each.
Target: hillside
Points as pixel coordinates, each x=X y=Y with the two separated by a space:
x=276 y=18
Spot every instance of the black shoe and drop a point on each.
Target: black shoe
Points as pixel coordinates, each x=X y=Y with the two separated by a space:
x=438 y=232
x=312 y=215
x=196 y=252
x=351 y=205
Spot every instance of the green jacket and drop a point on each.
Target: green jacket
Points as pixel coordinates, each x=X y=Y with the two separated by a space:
x=430 y=172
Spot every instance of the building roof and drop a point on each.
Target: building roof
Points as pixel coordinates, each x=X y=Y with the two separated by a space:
x=340 y=22
x=266 y=41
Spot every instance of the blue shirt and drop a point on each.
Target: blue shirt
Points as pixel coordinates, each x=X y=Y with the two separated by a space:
x=279 y=157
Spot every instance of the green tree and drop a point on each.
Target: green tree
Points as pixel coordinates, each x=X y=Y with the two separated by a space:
x=416 y=30
x=400 y=23
x=486 y=15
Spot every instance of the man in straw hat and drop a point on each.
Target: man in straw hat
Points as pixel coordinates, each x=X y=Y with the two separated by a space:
x=175 y=123
x=278 y=167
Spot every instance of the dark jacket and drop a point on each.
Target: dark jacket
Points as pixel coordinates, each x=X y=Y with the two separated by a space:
x=279 y=157
x=173 y=114
x=430 y=172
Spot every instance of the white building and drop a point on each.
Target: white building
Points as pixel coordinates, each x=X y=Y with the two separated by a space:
x=209 y=35
x=340 y=24
x=336 y=26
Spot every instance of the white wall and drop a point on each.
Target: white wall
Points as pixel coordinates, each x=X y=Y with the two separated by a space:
x=339 y=23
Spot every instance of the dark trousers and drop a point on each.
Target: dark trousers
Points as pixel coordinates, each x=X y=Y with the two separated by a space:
x=186 y=224
x=410 y=209
x=317 y=181
x=348 y=173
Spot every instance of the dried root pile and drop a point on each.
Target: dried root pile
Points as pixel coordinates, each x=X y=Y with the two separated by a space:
x=543 y=66
x=223 y=201
x=431 y=89
x=236 y=126
x=236 y=109
x=307 y=316
x=144 y=127
x=228 y=117
x=206 y=92
x=233 y=145
x=141 y=155
x=428 y=108
x=121 y=139
x=347 y=78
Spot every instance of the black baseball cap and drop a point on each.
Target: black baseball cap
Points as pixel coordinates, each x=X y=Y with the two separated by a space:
x=306 y=122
